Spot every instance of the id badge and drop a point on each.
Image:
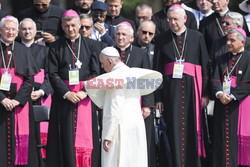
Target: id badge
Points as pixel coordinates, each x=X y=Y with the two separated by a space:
x=5 y=81
x=178 y=70
x=73 y=76
x=227 y=86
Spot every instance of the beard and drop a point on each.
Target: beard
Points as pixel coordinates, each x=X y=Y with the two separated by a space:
x=84 y=10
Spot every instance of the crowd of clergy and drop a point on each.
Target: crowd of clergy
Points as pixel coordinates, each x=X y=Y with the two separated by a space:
x=198 y=117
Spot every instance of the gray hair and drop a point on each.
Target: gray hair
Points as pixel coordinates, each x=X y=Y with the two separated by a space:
x=68 y=18
x=83 y=16
x=131 y=31
x=10 y=19
x=150 y=21
x=237 y=18
x=27 y=19
x=143 y=6
x=239 y=35
x=180 y=10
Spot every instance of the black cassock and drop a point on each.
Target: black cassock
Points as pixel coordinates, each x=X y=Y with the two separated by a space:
x=41 y=81
x=24 y=66
x=226 y=116
x=162 y=25
x=178 y=95
x=40 y=53
x=60 y=150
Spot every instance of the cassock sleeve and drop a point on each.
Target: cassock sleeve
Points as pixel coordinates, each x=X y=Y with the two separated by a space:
x=216 y=79
x=158 y=65
x=147 y=100
x=2 y=95
x=23 y=95
x=46 y=86
x=112 y=115
x=205 y=66
x=57 y=83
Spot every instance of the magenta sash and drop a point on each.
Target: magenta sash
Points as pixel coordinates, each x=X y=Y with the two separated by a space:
x=39 y=78
x=21 y=125
x=195 y=71
x=243 y=131
x=83 y=136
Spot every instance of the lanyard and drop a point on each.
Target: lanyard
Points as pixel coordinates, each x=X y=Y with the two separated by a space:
x=78 y=54
x=182 y=51
x=218 y=23
x=12 y=49
x=229 y=72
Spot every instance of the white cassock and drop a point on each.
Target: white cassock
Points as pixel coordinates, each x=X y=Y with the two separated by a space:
x=123 y=123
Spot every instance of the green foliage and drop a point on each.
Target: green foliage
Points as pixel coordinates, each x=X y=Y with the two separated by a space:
x=128 y=9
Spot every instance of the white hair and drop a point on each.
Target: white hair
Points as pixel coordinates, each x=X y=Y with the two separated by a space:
x=180 y=10
x=27 y=19
x=131 y=31
x=10 y=19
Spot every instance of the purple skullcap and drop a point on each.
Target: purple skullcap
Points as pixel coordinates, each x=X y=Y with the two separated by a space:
x=176 y=5
x=125 y=22
x=8 y=16
x=71 y=13
x=241 y=31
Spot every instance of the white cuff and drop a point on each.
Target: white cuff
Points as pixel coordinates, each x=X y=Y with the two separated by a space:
x=233 y=97
x=64 y=97
x=42 y=91
x=218 y=93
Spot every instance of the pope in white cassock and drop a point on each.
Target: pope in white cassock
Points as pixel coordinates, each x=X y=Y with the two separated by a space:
x=118 y=93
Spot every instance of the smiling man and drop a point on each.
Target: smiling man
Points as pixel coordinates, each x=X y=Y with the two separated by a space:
x=17 y=124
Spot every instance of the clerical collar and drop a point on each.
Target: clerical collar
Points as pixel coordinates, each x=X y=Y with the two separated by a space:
x=7 y=44
x=73 y=40
x=179 y=33
x=242 y=50
x=123 y=49
x=117 y=66
x=27 y=44
x=143 y=47
x=224 y=13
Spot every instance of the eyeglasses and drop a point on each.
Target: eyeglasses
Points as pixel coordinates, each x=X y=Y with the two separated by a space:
x=98 y=15
x=146 y=32
x=122 y=34
x=173 y=19
x=227 y=23
x=7 y=29
x=86 y=27
x=40 y=4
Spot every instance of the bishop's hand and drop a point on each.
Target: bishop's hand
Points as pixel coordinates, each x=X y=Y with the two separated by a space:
x=73 y=97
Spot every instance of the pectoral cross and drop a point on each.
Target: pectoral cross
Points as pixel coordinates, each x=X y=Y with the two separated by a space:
x=78 y=64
